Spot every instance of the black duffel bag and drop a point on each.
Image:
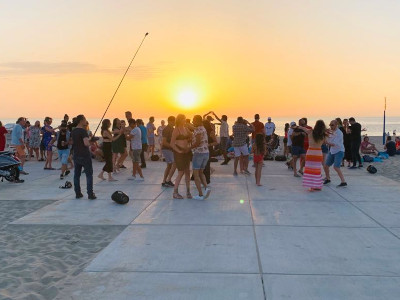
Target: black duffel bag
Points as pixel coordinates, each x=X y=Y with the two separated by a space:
x=120 y=197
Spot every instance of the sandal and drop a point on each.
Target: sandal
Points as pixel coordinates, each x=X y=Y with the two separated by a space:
x=177 y=196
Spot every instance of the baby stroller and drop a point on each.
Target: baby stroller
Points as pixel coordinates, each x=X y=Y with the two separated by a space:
x=272 y=147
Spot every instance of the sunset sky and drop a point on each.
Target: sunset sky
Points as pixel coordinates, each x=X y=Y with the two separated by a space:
x=278 y=58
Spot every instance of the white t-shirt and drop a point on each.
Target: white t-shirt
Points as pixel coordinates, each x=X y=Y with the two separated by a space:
x=136 y=141
x=224 y=129
x=269 y=128
x=289 y=139
x=337 y=139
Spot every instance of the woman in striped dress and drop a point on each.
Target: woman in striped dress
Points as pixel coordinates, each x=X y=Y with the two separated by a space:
x=312 y=172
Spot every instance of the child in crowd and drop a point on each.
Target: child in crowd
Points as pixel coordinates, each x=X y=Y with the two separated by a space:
x=259 y=150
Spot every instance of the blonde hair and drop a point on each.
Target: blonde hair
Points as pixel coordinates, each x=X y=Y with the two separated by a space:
x=180 y=120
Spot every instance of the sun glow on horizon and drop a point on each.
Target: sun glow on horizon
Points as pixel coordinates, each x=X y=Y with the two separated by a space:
x=187 y=99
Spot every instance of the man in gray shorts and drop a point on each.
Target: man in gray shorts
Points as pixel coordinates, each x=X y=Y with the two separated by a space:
x=167 y=152
x=135 y=136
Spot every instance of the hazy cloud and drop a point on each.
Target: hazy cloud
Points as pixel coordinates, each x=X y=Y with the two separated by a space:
x=10 y=69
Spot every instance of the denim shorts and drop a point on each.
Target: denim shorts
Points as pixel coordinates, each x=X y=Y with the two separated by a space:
x=324 y=148
x=334 y=159
x=168 y=155
x=200 y=160
x=63 y=155
x=297 y=150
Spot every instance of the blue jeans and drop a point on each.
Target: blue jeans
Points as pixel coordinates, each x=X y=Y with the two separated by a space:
x=86 y=163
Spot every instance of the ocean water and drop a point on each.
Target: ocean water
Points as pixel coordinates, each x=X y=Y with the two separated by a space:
x=372 y=125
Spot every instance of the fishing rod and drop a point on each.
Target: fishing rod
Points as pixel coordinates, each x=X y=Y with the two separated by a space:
x=127 y=69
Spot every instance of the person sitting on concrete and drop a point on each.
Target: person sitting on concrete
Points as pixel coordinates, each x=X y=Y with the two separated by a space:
x=367 y=147
x=390 y=146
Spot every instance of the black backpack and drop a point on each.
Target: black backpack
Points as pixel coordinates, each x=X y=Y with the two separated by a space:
x=120 y=197
x=280 y=158
x=371 y=169
x=155 y=157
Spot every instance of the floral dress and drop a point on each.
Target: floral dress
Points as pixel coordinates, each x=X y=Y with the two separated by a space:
x=34 y=139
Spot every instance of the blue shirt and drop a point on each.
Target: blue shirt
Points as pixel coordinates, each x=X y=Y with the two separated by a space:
x=17 y=134
x=144 y=134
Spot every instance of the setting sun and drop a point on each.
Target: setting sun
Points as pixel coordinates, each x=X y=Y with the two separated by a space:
x=187 y=99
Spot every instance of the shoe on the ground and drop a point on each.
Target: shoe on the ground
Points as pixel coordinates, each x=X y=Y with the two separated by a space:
x=326 y=181
x=140 y=179
x=165 y=184
x=132 y=178
x=170 y=183
x=143 y=166
x=92 y=196
x=18 y=181
x=235 y=174
x=23 y=172
x=208 y=192
x=78 y=195
x=67 y=172
x=122 y=167
x=224 y=163
x=296 y=175
x=198 y=197
x=61 y=176
x=353 y=167
x=360 y=166
x=342 y=184
x=301 y=172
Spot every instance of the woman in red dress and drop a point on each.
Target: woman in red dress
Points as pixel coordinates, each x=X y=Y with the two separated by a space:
x=3 y=132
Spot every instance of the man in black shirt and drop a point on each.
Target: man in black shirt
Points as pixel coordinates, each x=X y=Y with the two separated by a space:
x=390 y=146
x=355 y=134
x=82 y=158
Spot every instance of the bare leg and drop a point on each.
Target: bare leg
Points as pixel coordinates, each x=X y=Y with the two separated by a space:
x=197 y=181
x=178 y=181
x=295 y=165
x=245 y=163
x=166 y=172
x=171 y=172
x=187 y=180
x=235 y=165
x=339 y=173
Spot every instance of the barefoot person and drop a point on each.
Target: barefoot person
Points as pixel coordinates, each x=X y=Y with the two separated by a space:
x=180 y=143
x=313 y=161
x=82 y=159
x=200 y=157
x=259 y=150
x=107 y=148
x=336 y=153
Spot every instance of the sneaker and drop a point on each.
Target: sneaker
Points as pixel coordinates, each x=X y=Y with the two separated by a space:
x=67 y=172
x=140 y=179
x=132 y=178
x=61 y=176
x=92 y=196
x=143 y=166
x=342 y=184
x=170 y=183
x=352 y=168
x=208 y=192
x=246 y=172
x=164 y=184
x=23 y=172
x=78 y=195
x=198 y=197
x=326 y=181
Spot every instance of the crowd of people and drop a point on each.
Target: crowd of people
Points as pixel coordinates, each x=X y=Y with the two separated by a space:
x=190 y=144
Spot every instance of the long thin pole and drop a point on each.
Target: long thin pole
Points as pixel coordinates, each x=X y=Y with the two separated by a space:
x=122 y=79
x=384 y=125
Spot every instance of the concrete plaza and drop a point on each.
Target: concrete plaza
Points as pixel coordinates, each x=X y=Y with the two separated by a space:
x=277 y=241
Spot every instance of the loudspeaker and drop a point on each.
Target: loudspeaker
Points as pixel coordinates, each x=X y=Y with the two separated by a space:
x=120 y=197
